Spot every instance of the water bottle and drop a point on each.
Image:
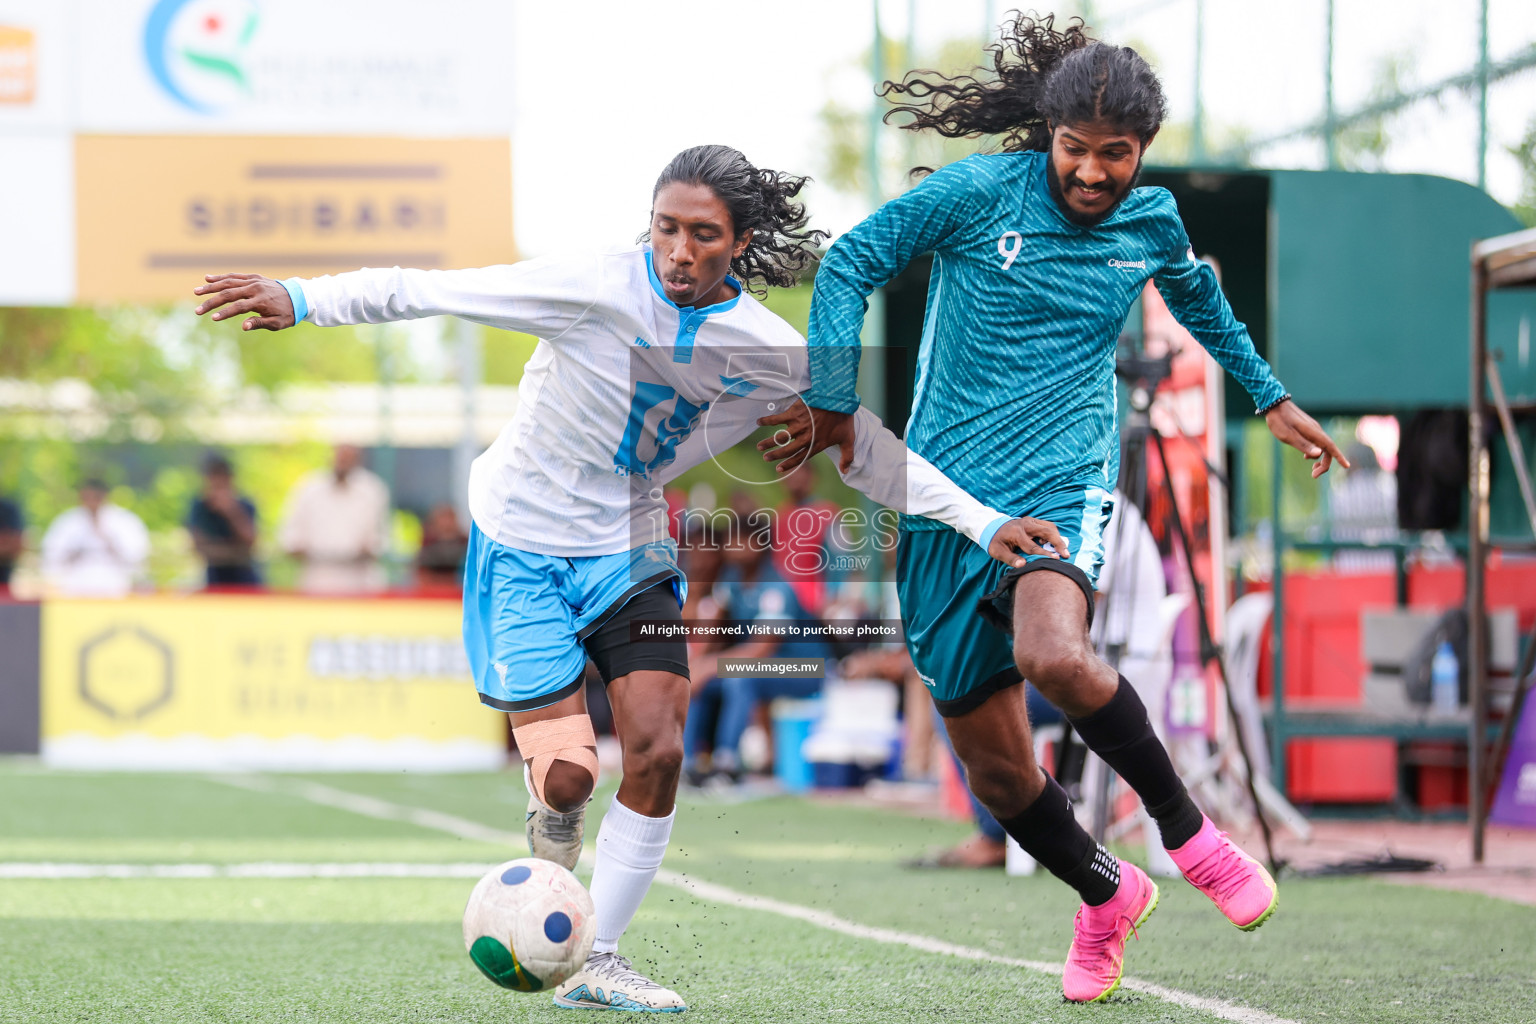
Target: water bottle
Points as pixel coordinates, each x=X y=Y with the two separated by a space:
x=1444 y=681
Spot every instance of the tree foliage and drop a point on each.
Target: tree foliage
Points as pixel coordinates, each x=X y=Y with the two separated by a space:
x=845 y=127
x=148 y=373
x=1525 y=153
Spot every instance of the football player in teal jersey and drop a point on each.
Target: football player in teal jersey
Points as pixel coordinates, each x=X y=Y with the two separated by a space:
x=1040 y=250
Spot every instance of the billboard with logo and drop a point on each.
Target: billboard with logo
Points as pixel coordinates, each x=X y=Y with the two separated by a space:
x=178 y=104
x=229 y=682
x=155 y=212
x=338 y=67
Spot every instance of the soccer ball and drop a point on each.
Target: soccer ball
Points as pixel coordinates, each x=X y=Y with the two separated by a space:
x=529 y=925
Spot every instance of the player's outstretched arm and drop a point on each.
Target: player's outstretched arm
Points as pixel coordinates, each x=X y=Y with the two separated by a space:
x=231 y=295
x=543 y=297
x=1295 y=428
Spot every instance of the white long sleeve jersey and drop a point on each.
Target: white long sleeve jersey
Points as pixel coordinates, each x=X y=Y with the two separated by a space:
x=624 y=392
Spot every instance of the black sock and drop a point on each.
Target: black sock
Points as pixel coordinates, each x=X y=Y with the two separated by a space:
x=1178 y=820
x=1049 y=833
x=1122 y=735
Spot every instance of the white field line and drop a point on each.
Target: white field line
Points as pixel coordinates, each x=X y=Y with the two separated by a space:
x=721 y=894
x=370 y=807
x=261 y=869
x=375 y=808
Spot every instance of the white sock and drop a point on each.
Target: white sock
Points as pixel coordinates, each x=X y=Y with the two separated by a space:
x=629 y=850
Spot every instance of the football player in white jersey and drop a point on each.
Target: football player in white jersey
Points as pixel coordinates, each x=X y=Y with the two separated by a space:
x=652 y=359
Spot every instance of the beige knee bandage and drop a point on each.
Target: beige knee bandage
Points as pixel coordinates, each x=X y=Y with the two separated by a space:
x=556 y=739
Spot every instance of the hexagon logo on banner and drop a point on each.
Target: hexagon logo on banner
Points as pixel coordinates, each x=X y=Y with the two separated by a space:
x=127 y=673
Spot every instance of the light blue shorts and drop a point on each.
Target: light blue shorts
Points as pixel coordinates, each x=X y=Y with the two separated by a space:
x=526 y=615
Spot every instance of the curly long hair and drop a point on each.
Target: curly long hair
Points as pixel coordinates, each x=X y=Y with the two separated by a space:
x=761 y=201
x=1040 y=76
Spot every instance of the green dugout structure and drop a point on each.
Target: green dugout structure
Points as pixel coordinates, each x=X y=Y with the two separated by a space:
x=1355 y=288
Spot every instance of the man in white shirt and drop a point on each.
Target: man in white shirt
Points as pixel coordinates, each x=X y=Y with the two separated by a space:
x=652 y=360
x=337 y=526
x=95 y=549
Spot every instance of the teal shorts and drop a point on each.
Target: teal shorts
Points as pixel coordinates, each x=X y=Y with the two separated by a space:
x=957 y=601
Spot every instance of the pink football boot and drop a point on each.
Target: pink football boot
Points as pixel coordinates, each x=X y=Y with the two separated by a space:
x=1240 y=886
x=1098 y=937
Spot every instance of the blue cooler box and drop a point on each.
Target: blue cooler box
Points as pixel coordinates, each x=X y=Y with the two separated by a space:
x=792 y=723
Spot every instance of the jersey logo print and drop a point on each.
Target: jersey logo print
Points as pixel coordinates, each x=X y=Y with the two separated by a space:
x=1128 y=264
x=738 y=386
x=670 y=432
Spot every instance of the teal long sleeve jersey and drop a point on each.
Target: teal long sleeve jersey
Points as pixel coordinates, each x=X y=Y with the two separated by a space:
x=1015 y=391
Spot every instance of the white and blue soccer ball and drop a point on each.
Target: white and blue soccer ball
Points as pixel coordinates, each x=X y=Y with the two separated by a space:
x=529 y=925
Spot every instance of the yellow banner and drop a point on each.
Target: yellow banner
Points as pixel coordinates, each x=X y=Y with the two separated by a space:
x=155 y=213
x=215 y=681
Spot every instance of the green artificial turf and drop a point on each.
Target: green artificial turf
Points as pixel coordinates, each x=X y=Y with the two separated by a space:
x=259 y=950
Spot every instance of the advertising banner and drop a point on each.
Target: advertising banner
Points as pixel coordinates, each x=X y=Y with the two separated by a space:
x=37 y=220
x=34 y=67
x=219 y=682
x=155 y=213
x=138 y=138
x=272 y=67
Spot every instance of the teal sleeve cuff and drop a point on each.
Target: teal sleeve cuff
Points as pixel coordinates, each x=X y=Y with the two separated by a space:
x=295 y=288
x=1269 y=396
x=820 y=400
x=834 y=372
x=985 y=540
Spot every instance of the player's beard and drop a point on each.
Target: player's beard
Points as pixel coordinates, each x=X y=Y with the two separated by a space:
x=1085 y=220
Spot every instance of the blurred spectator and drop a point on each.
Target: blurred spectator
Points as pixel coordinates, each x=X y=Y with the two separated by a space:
x=338 y=526
x=893 y=663
x=440 y=562
x=10 y=541
x=95 y=549
x=749 y=590
x=987 y=846
x=700 y=558
x=223 y=527
x=801 y=526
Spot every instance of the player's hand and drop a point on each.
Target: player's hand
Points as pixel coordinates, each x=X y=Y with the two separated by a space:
x=1294 y=427
x=236 y=294
x=1031 y=536
x=803 y=432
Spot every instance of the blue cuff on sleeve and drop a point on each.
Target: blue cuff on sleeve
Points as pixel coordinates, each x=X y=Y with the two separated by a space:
x=820 y=400
x=834 y=371
x=296 y=293
x=985 y=540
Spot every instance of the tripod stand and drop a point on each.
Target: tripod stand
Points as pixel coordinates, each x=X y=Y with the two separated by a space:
x=1144 y=375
